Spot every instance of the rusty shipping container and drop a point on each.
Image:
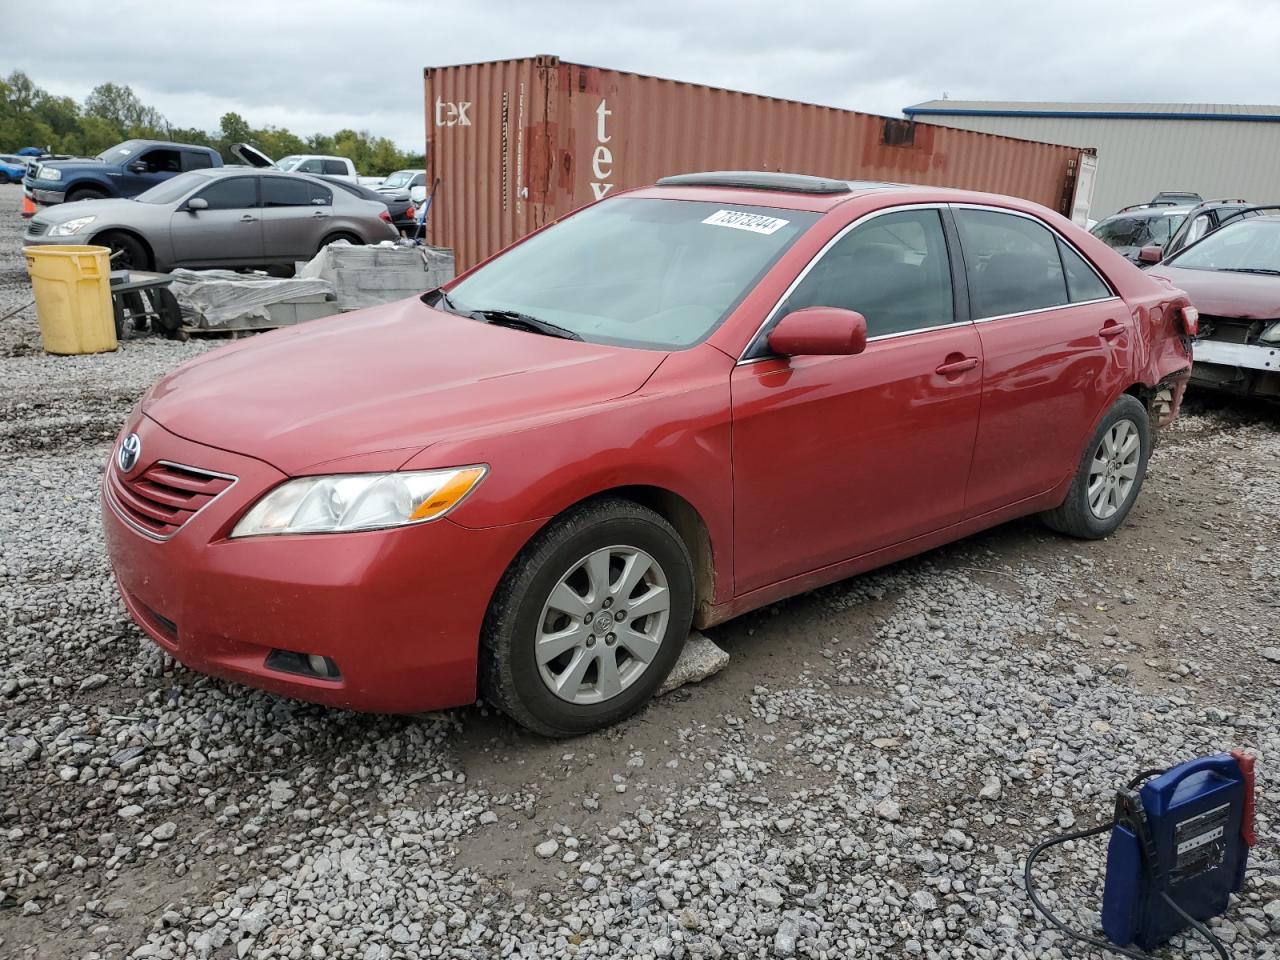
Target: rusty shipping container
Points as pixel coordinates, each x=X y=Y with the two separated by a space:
x=518 y=143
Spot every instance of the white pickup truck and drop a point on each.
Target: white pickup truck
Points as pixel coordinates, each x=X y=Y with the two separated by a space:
x=317 y=164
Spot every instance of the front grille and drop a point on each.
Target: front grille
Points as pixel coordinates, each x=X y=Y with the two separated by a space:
x=159 y=500
x=35 y=228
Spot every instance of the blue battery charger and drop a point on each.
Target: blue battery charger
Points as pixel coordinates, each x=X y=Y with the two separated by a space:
x=1179 y=847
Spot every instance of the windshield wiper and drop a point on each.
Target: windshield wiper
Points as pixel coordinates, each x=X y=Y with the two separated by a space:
x=1263 y=270
x=522 y=321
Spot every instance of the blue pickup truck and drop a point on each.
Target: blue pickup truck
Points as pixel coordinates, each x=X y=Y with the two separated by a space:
x=124 y=170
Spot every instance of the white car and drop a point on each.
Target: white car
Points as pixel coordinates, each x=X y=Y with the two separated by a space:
x=314 y=164
x=406 y=185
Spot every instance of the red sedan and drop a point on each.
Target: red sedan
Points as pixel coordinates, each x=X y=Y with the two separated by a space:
x=671 y=407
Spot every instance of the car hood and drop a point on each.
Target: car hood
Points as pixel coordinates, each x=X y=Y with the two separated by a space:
x=368 y=390
x=80 y=163
x=1218 y=293
x=111 y=209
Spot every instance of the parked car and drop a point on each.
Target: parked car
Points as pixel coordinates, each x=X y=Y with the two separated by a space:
x=1199 y=222
x=1233 y=278
x=12 y=168
x=675 y=405
x=232 y=217
x=314 y=164
x=125 y=170
x=406 y=184
x=401 y=211
x=1177 y=198
x=1128 y=231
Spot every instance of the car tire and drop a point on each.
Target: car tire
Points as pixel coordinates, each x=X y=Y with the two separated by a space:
x=519 y=668
x=84 y=193
x=351 y=238
x=133 y=253
x=1110 y=475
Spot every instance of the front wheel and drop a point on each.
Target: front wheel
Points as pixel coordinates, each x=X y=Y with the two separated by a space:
x=1110 y=474
x=588 y=620
x=127 y=252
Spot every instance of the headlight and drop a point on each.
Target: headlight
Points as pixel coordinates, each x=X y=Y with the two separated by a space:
x=48 y=173
x=1271 y=334
x=71 y=226
x=358 y=501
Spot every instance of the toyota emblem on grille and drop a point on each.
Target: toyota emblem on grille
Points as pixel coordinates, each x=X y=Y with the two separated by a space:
x=127 y=455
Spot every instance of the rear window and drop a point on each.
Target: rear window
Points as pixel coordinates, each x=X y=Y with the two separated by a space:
x=335 y=168
x=196 y=160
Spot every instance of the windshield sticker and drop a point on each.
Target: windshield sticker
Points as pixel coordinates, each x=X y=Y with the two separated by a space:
x=755 y=222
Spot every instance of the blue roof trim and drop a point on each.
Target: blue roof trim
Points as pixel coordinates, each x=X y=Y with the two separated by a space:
x=1093 y=114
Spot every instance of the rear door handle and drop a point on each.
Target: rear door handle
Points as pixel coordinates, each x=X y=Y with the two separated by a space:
x=1111 y=329
x=248 y=218
x=957 y=366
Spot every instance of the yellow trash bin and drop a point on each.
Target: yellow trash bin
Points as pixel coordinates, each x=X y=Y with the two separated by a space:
x=72 y=285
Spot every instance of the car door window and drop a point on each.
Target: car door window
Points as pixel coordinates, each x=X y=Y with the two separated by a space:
x=335 y=168
x=234 y=193
x=309 y=166
x=1083 y=282
x=892 y=269
x=319 y=196
x=196 y=160
x=285 y=192
x=162 y=161
x=1012 y=263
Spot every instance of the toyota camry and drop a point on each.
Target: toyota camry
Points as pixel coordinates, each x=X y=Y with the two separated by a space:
x=678 y=404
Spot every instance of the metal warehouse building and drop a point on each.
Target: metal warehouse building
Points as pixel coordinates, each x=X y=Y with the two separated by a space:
x=1215 y=150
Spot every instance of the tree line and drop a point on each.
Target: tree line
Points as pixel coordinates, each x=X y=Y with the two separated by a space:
x=33 y=117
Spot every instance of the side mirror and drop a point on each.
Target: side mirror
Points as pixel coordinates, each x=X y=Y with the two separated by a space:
x=1151 y=254
x=819 y=332
x=138 y=166
x=197 y=203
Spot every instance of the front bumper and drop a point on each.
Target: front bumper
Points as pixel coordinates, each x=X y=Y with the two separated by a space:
x=399 y=611
x=46 y=196
x=1243 y=368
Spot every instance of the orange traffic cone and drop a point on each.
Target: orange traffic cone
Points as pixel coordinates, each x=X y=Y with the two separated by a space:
x=28 y=207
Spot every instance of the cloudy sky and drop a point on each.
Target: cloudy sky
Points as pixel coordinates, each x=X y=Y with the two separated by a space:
x=327 y=64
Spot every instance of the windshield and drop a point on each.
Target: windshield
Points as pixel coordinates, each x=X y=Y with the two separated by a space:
x=289 y=162
x=660 y=274
x=398 y=179
x=172 y=189
x=1250 y=246
x=120 y=151
x=1138 y=231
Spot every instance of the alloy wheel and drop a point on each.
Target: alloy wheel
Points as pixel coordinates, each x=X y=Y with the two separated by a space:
x=602 y=625
x=1114 y=469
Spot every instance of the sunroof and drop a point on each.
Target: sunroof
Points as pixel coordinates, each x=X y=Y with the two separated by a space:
x=758 y=180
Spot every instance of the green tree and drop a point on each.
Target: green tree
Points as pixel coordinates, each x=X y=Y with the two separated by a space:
x=118 y=104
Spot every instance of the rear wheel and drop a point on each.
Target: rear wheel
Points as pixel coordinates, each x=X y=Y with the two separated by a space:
x=341 y=235
x=127 y=252
x=1110 y=474
x=588 y=620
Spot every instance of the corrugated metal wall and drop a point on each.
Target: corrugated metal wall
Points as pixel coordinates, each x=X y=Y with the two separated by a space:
x=1139 y=158
x=518 y=143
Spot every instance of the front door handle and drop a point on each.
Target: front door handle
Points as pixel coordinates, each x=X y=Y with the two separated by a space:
x=955 y=367
x=248 y=218
x=1111 y=329
x=320 y=213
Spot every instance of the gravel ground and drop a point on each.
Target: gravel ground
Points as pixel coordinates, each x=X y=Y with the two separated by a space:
x=863 y=780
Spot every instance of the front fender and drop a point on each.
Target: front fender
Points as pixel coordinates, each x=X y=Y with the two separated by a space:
x=674 y=435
